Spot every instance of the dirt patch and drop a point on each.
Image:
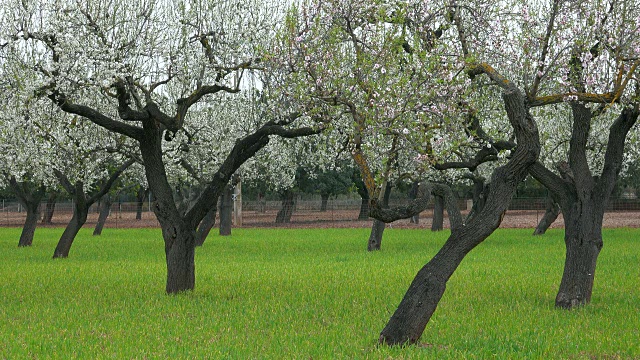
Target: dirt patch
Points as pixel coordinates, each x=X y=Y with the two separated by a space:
x=323 y=219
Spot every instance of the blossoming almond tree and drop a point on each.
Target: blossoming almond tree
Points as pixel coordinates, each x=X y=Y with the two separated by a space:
x=137 y=69
x=25 y=160
x=595 y=49
x=389 y=73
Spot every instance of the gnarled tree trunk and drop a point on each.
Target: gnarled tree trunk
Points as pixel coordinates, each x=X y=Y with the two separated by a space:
x=30 y=224
x=582 y=198
x=375 y=237
x=180 y=255
x=421 y=299
x=583 y=242
x=480 y=194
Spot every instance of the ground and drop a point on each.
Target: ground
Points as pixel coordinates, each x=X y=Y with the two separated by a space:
x=326 y=219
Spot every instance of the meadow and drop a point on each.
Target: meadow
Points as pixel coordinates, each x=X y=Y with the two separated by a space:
x=309 y=294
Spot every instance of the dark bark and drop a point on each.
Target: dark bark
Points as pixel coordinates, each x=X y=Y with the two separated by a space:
x=583 y=241
x=375 y=238
x=82 y=201
x=582 y=198
x=286 y=211
x=29 y=195
x=205 y=226
x=377 y=228
x=552 y=210
x=79 y=218
x=226 y=211
x=141 y=195
x=105 y=209
x=480 y=194
x=324 y=202
x=29 y=227
x=179 y=237
x=438 y=213
x=180 y=255
x=49 y=208
x=419 y=303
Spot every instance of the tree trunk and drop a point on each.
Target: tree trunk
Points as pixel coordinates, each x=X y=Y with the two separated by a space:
x=583 y=242
x=421 y=299
x=438 y=214
x=226 y=211
x=82 y=203
x=80 y=213
x=480 y=194
x=550 y=215
x=377 y=229
x=49 y=208
x=582 y=199
x=180 y=256
x=375 y=238
x=205 y=227
x=141 y=195
x=105 y=209
x=29 y=196
x=286 y=211
x=325 y=201
x=30 y=224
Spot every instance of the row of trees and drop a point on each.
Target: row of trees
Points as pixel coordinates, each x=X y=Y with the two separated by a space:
x=194 y=92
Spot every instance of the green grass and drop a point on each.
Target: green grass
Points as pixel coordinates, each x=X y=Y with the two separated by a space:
x=308 y=294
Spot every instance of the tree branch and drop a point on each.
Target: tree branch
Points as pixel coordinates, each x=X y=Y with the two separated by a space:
x=64 y=181
x=554 y=183
x=104 y=188
x=545 y=50
x=95 y=116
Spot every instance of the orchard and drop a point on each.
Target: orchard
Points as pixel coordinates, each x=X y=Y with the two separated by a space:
x=326 y=97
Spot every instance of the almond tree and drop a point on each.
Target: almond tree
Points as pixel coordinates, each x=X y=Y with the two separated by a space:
x=401 y=82
x=140 y=74
x=26 y=155
x=596 y=51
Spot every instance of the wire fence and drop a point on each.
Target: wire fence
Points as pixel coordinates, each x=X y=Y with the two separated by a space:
x=335 y=213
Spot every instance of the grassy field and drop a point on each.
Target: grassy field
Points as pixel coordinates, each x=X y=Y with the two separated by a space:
x=308 y=294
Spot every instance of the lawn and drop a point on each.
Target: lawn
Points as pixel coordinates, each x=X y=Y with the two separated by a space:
x=308 y=294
